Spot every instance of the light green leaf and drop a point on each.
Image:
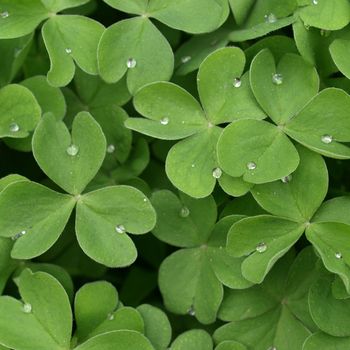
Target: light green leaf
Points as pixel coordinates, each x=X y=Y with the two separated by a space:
x=257 y=150
x=171 y=111
x=312 y=127
x=103 y=219
x=137 y=7
x=136 y=47
x=94 y=302
x=10 y=179
x=59 y=5
x=183 y=221
x=191 y=164
x=325 y=341
x=69 y=160
x=298 y=195
x=157 y=326
x=43 y=212
x=17 y=119
x=64 y=48
x=334 y=210
x=20 y=17
x=273 y=84
x=193 y=340
x=224 y=93
x=340 y=49
x=234 y=186
x=263 y=239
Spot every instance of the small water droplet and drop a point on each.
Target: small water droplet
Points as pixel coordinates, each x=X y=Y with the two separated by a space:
x=277 y=78
x=251 y=165
x=261 y=247
x=110 y=148
x=326 y=139
x=193 y=165
x=217 y=172
x=237 y=82
x=164 y=121
x=131 y=63
x=191 y=311
x=14 y=127
x=110 y=317
x=72 y=150
x=186 y=59
x=270 y=18
x=68 y=50
x=315 y=2
x=325 y=33
x=286 y=179
x=338 y=255
x=120 y=228
x=18 y=235
x=145 y=199
x=4 y=14
x=27 y=308
x=184 y=212
x=272 y=348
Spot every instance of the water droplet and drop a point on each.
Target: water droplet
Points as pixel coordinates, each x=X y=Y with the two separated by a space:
x=338 y=255
x=68 y=50
x=131 y=63
x=315 y=2
x=277 y=78
x=217 y=172
x=326 y=139
x=110 y=317
x=325 y=33
x=261 y=247
x=4 y=14
x=164 y=121
x=145 y=199
x=110 y=148
x=184 y=212
x=72 y=150
x=272 y=348
x=18 y=235
x=27 y=308
x=286 y=179
x=186 y=59
x=120 y=228
x=14 y=127
x=193 y=165
x=270 y=18
x=237 y=82
x=251 y=166
x=191 y=311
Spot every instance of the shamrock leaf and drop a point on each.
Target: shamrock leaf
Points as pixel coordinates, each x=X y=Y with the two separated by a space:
x=192 y=340
x=325 y=341
x=70 y=161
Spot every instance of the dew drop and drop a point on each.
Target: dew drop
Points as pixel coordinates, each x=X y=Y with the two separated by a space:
x=184 y=212
x=191 y=311
x=237 y=82
x=261 y=247
x=14 y=127
x=277 y=78
x=272 y=348
x=4 y=14
x=120 y=228
x=286 y=179
x=270 y=18
x=251 y=166
x=131 y=63
x=338 y=255
x=193 y=165
x=145 y=199
x=186 y=59
x=217 y=173
x=72 y=150
x=164 y=121
x=110 y=148
x=27 y=308
x=68 y=50
x=19 y=235
x=315 y=2
x=110 y=317
x=326 y=139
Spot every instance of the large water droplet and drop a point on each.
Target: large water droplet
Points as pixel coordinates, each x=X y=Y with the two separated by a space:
x=191 y=311
x=251 y=165
x=110 y=148
x=270 y=18
x=286 y=179
x=72 y=150
x=237 y=82
x=184 y=212
x=14 y=127
x=27 y=308
x=131 y=63
x=120 y=228
x=18 y=235
x=277 y=78
x=68 y=50
x=315 y=2
x=217 y=173
x=4 y=14
x=164 y=121
x=338 y=255
x=261 y=247
x=186 y=59
x=326 y=139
